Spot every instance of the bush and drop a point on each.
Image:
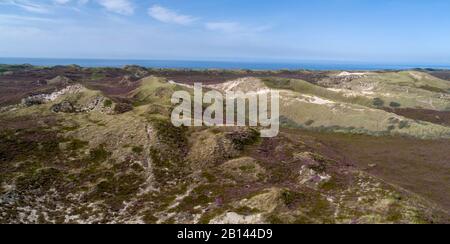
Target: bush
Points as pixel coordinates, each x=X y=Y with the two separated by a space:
x=290 y=197
x=76 y=144
x=378 y=102
x=309 y=122
x=403 y=124
x=395 y=105
x=138 y=150
x=107 y=103
x=121 y=108
x=99 y=154
x=243 y=138
x=42 y=179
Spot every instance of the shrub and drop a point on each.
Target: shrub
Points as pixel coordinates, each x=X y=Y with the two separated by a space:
x=99 y=154
x=76 y=144
x=403 y=124
x=378 y=102
x=138 y=150
x=244 y=138
x=42 y=179
x=395 y=105
x=98 y=76
x=121 y=108
x=290 y=197
x=107 y=103
x=309 y=122
x=432 y=89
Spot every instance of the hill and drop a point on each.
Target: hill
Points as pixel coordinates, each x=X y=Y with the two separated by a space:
x=102 y=150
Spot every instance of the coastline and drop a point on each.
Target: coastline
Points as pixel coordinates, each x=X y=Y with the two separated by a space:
x=217 y=65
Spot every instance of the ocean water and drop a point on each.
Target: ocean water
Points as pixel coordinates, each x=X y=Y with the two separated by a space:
x=179 y=64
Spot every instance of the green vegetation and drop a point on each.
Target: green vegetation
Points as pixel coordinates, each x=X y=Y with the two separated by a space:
x=99 y=154
x=115 y=191
x=378 y=102
x=411 y=89
x=304 y=87
x=309 y=122
x=107 y=103
x=98 y=76
x=169 y=156
x=6 y=67
x=134 y=166
x=121 y=108
x=433 y=89
x=320 y=163
x=153 y=90
x=395 y=105
x=76 y=144
x=42 y=179
x=37 y=143
x=169 y=134
x=138 y=149
x=290 y=197
x=242 y=139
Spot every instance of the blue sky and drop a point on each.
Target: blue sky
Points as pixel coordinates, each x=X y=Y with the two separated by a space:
x=382 y=31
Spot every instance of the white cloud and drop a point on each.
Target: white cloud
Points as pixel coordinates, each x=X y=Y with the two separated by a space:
x=61 y=1
x=124 y=7
x=39 y=8
x=234 y=27
x=224 y=26
x=169 y=16
x=65 y=2
x=27 y=5
x=11 y=18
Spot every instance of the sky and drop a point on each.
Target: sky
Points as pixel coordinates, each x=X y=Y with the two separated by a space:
x=382 y=31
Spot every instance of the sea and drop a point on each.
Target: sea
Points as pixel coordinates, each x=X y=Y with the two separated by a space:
x=231 y=65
